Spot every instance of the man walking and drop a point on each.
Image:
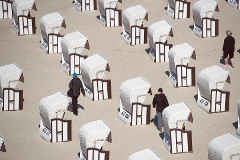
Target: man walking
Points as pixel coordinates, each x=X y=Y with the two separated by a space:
x=159 y=102
x=75 y=86
x=228 y=48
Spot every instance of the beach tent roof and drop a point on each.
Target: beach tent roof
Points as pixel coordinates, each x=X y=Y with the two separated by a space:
x=211 y=78
x=9 y=76
x=202 y=9
x=50 y=21
x=73 y=43
x=133 y=90
x=53 y=106
x=133 y=16
x=179 y=55
x=19 y=6
x=159 y=31
x=178 y=112
x=93 y=135
x=146 y=154
x=93 y=67
x=223 y=147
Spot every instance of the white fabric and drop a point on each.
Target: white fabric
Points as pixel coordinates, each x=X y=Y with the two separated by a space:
x=51 y=23
x=146 y=154
x=93 y=67
x=158 y=32
x=106 y=4
x=93 y=135
x=133 y=16
x=133 y=90
x=73 y=43
x=222 y=147
x=179 y=55
x=174 y=116
x=9 y=76
x=53 y=106
x=21 y=7
x=211 y=78
x=202 y=9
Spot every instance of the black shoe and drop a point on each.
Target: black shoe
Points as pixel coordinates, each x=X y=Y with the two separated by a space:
x=75 y=112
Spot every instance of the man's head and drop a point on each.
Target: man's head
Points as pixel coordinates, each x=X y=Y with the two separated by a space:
x=74 y=75
x=160 y=90
x=229 y=33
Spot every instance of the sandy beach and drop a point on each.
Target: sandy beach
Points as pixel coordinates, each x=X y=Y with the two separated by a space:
x=44 y=76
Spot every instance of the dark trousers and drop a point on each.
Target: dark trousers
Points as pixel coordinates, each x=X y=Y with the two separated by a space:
x=74 y=103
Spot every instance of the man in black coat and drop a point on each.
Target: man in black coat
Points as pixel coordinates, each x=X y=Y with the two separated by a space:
x=160 y=102
x=229 y=48
x=75 y=86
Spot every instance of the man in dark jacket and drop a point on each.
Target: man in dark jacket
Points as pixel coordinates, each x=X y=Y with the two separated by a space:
x=228 y=48
x=75 y=86
x=159 y=102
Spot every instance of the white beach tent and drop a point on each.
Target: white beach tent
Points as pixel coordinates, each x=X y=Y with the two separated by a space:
x=178 y=9
x=110 y=16
x=234 y=3
x=95 y=86
x=181 y=75
x=85 y=5
x=238 y=129
x=132 y=96
x=6 y=9
x=204 y=23
x=211 y=96
x=133 y=30
x=72 y=47
x=176 y=138
x=92 y=138
x=52 y=110
x=146 y=154
x=21 y=14
x=10 y=97
x=158 y=33
x=225 y=147
x=50 y=25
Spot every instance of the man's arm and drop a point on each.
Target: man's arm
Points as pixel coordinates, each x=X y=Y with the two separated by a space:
x=154 y=102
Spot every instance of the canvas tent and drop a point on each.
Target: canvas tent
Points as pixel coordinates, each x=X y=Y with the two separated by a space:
x=133 y=30
x=72 y=47
x=50 y=25
x=110 y=16
x=176 y=138
x=52 y=126
x=158 y=33
x=145 y=154
x=132 y=96
x=10 y=97
x=178 y=9
x=204 y=23
x=23 y=22
x=6 y=11
x=93 y=69
x=181 y=75
x=211 y=96
x=92 y=138
x=225 y=147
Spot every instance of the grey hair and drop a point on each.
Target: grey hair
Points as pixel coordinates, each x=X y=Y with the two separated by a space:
x=229 y=33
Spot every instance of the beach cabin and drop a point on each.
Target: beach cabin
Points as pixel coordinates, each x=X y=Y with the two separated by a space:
x=238 y=129
x=132 y=95
x=211 y=96
x=133 y=31
x=94 y=84
x=145 y=154
x=158 y=47
x=178 y=9
x=50 y=25
x=181 y=74
x=6 y=11
x=24 y=23
x=176 y=138
x=92 y=138
x=205 y=25
x=53 y=128
x=110 y=16
x=234 y=3
x=72 y=47
x=85 y=5
x=11 y=98
x=225 y=147
x=2 y=145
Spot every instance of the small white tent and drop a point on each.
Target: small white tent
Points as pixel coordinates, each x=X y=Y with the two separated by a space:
x=146 y=154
